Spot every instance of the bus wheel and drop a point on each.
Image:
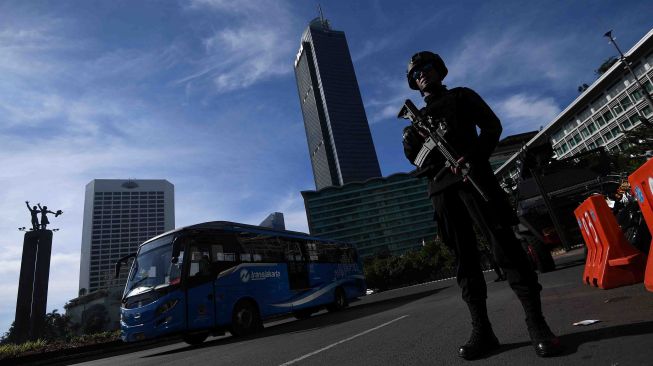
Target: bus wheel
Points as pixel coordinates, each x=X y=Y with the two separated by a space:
x=195 y=338
x=245 y=319
x=339 y=302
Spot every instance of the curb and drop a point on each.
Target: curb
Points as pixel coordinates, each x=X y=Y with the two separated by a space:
x=79 y=354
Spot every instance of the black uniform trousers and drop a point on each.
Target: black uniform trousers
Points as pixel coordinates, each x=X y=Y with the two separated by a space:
x=456 y=208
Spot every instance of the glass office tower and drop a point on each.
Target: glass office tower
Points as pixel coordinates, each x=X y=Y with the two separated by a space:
x=387 y=214
x=339 y=139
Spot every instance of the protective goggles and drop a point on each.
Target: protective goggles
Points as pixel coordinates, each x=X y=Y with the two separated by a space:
x=417 y=72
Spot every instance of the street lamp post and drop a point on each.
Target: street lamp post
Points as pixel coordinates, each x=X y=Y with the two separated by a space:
x=626 y=63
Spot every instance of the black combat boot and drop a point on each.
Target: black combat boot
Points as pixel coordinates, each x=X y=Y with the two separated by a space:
x=546 y=344
x=482 y=341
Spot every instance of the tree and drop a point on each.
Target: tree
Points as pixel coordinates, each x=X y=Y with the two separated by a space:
x=55 y=327
x=10 y=335
x=638 y=142
x=432 y=261
x=606 y=65
x=94 y=319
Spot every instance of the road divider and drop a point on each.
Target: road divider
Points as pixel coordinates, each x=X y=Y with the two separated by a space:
x=611 y=260
x=641 y=183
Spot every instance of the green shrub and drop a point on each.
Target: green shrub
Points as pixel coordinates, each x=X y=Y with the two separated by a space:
x=11 y=350
x=433 y=261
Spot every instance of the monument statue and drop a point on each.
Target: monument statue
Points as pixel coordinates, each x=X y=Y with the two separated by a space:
x=44 y=218
x=34 y=211
x=32 y=298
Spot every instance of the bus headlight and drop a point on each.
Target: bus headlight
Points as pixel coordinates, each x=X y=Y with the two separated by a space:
x=167 y=306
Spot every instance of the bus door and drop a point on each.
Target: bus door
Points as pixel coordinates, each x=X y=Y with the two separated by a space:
x=297 y=266
x=199 y=289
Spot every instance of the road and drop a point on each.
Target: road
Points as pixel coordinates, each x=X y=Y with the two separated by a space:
x=425 y=324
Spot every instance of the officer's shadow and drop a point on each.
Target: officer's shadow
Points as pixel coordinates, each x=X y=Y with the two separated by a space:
x=573 y=340
x=570 y=342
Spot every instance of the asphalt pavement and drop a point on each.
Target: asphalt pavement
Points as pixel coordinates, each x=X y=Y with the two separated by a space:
x=425 y=324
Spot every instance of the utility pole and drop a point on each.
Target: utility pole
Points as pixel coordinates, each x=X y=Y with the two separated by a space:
x=627 y=63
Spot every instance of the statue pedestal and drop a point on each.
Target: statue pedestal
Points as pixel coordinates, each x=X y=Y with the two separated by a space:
x=32 y=296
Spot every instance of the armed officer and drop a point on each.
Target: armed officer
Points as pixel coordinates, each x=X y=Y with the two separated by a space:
x=473 y=131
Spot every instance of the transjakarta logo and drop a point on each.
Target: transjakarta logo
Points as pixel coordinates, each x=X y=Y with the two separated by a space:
x=246 y=275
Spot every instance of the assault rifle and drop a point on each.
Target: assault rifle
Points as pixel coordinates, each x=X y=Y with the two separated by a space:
x=435 y=140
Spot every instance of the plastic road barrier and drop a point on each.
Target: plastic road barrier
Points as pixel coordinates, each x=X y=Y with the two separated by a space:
x=641 y=183
x=611 y=260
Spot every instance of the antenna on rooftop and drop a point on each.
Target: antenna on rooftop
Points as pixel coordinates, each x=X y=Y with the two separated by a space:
x=324 y=22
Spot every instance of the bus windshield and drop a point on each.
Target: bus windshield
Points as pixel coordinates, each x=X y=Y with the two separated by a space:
x=153 y=267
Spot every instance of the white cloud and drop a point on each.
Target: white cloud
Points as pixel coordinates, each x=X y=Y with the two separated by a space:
x=10 y=257
x=510 y=56
x=523 y=112
x=294 y=213
x=257 y=43
x=20 y=42
x=387 y=101
x=289 y=202
x=372 y=46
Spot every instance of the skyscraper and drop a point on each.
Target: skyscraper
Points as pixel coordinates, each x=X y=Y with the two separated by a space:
x=118 y=216
x=274 y=221
x=339 y=139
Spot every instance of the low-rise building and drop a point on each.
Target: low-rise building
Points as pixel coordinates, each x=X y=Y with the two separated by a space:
x=600 y=115
x=96 y=311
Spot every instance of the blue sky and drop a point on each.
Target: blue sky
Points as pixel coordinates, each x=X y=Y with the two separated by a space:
x=202 y=93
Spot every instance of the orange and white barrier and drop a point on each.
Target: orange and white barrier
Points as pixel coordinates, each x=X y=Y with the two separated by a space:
x=611 y=260
x=641 y=182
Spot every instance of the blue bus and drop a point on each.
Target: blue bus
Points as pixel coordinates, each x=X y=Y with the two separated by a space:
x=202 y=279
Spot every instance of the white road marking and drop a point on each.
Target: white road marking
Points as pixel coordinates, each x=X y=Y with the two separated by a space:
x=340 y=342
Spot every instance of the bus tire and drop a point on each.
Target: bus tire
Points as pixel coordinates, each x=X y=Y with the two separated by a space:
x=339 y=301
x=245 y=319
x=195 y=338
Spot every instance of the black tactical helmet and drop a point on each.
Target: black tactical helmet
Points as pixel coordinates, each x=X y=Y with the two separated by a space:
x=422 y=58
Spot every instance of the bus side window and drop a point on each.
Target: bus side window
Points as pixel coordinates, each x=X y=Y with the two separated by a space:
x=200 y=262
x=347 y=255
x=261 y=247
x=311 y=250
x=329 y=253
x=293 y=251
x=226 y=254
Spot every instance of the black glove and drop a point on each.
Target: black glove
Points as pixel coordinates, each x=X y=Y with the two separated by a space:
x=413 y=142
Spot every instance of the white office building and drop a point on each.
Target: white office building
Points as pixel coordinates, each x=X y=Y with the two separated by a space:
x=612 y=105
x=118 y=216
